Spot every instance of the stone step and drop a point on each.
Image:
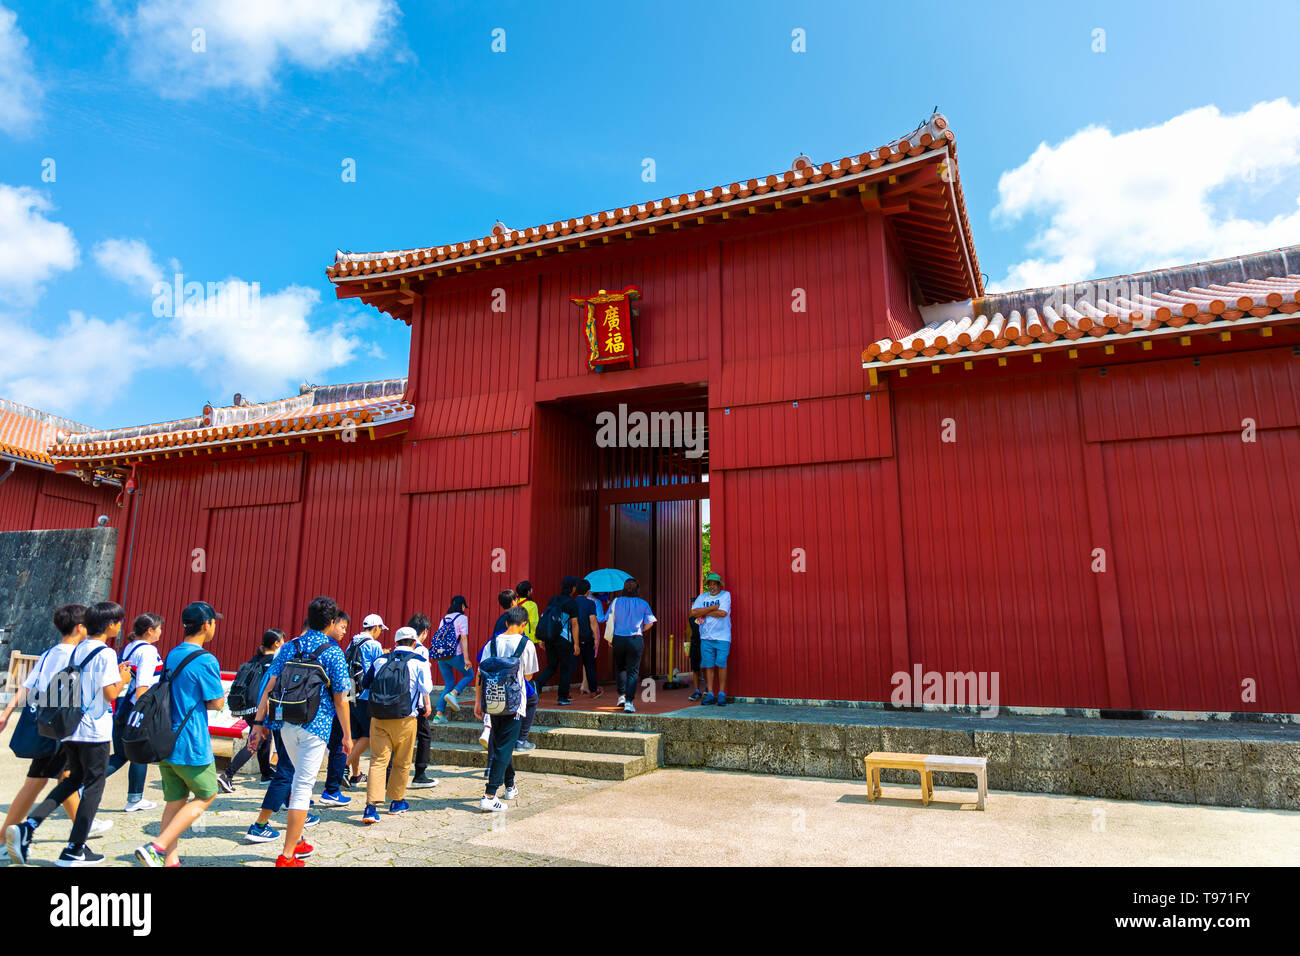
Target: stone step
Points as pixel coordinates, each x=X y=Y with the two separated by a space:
x=600 y=766
x=576 y=739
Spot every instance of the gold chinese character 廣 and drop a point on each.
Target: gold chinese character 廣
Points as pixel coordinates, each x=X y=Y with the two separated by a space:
x=611 y=318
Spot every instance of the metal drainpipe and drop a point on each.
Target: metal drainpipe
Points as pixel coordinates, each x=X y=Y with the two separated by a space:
x=8 y=472
x=130 y=548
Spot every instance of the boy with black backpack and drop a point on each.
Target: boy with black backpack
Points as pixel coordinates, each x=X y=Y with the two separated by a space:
x=505 y=664
x=306 y=686
x=398 y=685
x=245 y=693
x=75 y=707
x=192 y=679
x=361 y=653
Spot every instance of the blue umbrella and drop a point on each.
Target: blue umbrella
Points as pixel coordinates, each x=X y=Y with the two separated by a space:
x=607 y=580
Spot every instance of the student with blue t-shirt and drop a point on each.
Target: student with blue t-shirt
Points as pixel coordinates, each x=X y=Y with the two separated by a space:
x=196 y=689
x=632 y=618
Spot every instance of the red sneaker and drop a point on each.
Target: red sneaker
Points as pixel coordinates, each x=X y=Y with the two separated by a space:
x=303 y=850
x=283 y=860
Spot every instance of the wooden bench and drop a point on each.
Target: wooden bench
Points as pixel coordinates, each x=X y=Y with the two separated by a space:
x=20 y=665
x=925 y=765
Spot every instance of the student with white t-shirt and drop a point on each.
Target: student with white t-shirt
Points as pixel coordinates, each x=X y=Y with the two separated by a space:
x=140 y=655
x=70 y=621
x=393 y=738
x=87 y=748
x=505 y=727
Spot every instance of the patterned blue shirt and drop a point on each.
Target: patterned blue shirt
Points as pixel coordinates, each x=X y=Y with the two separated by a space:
x=369 y=651
x=336 y=667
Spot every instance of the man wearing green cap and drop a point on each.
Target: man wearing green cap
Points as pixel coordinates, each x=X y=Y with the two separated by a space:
x=713 y=611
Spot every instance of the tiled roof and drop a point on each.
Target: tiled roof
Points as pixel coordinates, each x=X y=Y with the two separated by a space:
x=26 y=433
x=1208 y=296
x=934 y=222
x=321 y=410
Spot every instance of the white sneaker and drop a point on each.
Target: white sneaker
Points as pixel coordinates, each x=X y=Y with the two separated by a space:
x=510 y=794
x=141 y=804
x=622 y=699
x=628 y=708
x=491 y=805
x=452 y=703
x=99 y=826
x=484 y=738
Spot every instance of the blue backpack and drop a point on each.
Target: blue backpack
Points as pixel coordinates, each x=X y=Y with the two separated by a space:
x=445 y=643
x=502 y=686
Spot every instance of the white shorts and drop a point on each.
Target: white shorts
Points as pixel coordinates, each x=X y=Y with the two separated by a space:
x=306 y=752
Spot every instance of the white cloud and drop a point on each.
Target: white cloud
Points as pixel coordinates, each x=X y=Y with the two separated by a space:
x=261 y=345
x=84 y=361
x=32 y=247
x=20 y=92
x=1201 y=185
x=248 y=42
x=130 y=261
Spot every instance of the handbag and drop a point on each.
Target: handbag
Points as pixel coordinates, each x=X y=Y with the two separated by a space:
x=27 y=741
x=609 y=622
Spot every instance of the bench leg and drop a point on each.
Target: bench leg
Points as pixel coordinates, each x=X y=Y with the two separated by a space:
x=927 y=788
x=875 y=783
x=871 y=784
x=982 y=782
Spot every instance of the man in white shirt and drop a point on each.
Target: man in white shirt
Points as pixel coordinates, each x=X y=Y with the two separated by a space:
x=713 y=611
x=505 y=727
x=87 y=748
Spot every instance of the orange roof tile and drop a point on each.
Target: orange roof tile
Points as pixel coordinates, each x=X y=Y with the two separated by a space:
x=26 y=433
x=939 y=213
x=1235 y=291
x=320 y=410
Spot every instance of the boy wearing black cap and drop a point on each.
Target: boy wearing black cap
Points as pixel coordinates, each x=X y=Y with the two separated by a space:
x=190 y=768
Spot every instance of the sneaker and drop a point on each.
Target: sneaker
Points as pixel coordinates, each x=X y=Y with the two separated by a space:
x=225 y=783
x=564 y=703
x=628 y=708
x=510 y=794
x=99 y=827
x=708 y=699
x=303 y=850
x=485 y=738
x=491 y=805
x=438 y=719
x=422 y=781
x=141 y=804
x=398 y=806
x=79 y=856
x=18 y=840
x=283 y=860
x=452 y=702
x=622 y=699
x=695 y=696
x=261 y=833
x=151 y=855
x=525 y=745
x=722 y=699
x=176 y=864
x=371 y=815
x=334 y=799
x=312 y=819
x=356 y=780
x=598 y=692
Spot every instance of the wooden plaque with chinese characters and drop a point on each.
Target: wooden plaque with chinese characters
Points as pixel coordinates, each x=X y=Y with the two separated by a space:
x=607 y=324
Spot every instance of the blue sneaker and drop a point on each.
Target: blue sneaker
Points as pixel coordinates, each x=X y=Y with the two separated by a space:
x=398 y=806
x=334 y=799
x=371 y=815
x=708 y=699
x=312 y=820
x=261 y=833
x=722 y=699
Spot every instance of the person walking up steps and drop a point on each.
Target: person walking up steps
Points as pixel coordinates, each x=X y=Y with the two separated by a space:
x=245 y=693
x=398 y=684
x=449 y=646
x=194 y=679
x=505 y=663
x=632 y=618
x=77 y=706
x=145 y=666
x=48 y=761
x=307 y=684
x=558 y=629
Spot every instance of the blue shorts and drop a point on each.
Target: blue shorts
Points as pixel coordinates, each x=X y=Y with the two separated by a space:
x=714 y=653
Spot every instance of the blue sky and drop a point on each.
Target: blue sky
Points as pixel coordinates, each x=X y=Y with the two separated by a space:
x=1179 y=140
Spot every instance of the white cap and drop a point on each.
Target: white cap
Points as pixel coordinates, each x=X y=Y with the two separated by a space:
x=405 y=634
x=373 y=620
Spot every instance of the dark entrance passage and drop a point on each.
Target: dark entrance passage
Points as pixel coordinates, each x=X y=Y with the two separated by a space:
x=626 y=485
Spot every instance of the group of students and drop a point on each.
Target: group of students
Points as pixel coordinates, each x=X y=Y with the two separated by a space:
x=86 y=713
